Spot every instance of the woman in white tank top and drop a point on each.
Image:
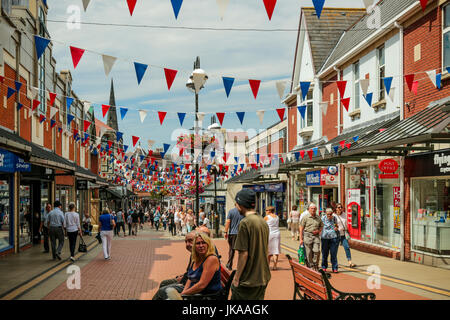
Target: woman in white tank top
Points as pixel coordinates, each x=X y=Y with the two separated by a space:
x=273 y=222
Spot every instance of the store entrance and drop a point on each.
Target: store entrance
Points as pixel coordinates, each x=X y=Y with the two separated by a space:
x=330 y=197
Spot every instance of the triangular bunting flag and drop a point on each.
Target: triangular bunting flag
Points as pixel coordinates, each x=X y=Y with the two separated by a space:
x=181 y=117
x=123 y=112
x=388 y=84
x=108 y=63
x=166 y=147
x=131 y=5
x=105 y=109
x=77 y=53
x=69 y=102
x=135 y=140
x=324 y=107
x=346 y=103
x=409 y=81
x=161 y=115
x=342 y=85
x=356 y=138
x=140 y=71
x=318 y=5
x=369 y=98
x=18 y=85
x=281 y=112
x=170 y=76
x=142 y=115
x=423 y=3
x=328 y=147
x=322 y=152
x=302 y=154
x=228 y=84
x=297 y=156
x=270 y=6
x=342 y=143
x=302 y=110
x=119 y=135
x=438 y=80
x=52 y=123
x=19 y=106
x=304 y=86
x=336 y=148
x=415 y=87
x=432 y=75
x=241 y=116
x=86 y=125
x=392 y=94
x=69 y=119
x=310 y=154
x=85 y=4
x=260 y=115
x=52 y=98
x=11 y=92
x=176 y=5
x=41 y=118
x=364 y=83
x=222 y=4
x=281 y=86
x=41 y=45
x=36 y=103
x=86 y=106
x=254 y=85
x=220 y=116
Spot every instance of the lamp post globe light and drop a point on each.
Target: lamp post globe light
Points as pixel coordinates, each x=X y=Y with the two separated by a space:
x=194 y=84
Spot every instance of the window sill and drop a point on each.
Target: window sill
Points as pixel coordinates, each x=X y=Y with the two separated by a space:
x=379 y=105
x=445 y=77
x=306 y=132
x=355 y=114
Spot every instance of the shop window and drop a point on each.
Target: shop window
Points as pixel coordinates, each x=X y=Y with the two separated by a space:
x=381 y=72
x=5 y=214
x=430 y=215
x=309 y=115
x=25 y=215
x=356 y=93
x=387 y=211
x=446 y=36
x=359 y=185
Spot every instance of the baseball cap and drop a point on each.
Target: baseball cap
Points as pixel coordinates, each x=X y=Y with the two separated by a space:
x=246 y=198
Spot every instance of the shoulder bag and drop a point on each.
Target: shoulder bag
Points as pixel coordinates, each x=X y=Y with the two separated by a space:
x=347 y=235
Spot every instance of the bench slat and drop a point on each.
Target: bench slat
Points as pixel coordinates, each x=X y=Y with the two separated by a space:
x=306 y=272
x=314 y=287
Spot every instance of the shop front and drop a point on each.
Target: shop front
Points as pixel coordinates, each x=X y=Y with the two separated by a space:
x=323 y=187
x=299 y=192
x=373 y=202
x=430 y=206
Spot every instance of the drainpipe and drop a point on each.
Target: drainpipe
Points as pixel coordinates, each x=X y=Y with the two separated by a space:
x=339 y=104
x=402 y=159
x=17 y=112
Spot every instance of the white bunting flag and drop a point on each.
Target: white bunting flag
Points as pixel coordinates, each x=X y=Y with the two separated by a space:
x=86 y=106
x=324 y=107
x=299 y=100
x=222 y=4
x=142 y=115
x=260 y=115
x=328 y=147
x=108 y=63
x=197 y=154
x=432 y=75
x=199 y=79
x=200 y=116
x=364 y=83
x=53 y=111
x=392 y=94
x=367 y=3
x=281 y=86
x=322 y=152
x=34 y=92
x=85 y=4
x=150 y=144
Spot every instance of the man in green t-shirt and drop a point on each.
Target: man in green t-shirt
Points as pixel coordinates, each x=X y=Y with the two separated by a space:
x=253 y=273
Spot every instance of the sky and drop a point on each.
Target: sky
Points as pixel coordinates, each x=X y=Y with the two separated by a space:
x=265 y=56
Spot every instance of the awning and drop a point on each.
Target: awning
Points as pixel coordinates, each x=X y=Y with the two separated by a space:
x=247 y=176
x=14 y=143
x=85 y=173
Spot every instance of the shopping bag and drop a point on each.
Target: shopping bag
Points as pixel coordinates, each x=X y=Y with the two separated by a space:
x=82 y=247
x=301 y=255
x=98 y=237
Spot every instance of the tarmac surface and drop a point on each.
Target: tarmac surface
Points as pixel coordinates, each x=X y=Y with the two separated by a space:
x=139 y=263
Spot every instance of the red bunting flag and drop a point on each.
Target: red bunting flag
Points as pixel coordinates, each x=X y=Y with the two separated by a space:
x=52 y=98
x=36 y=103
x=41 y=118
x=270 y=6
x=302 y=153
x=226 y=156
x=310 y=154
x=346 y=103
x=220 y=116
x=342 y=143
x=110 y=143
x=409 y=81
x=86 y=125
x=281 y=112
x=423 y=3
x=341 y=86
x=161 y=115
x=105 y=109
x=77 y=53
x=349 y=145
x=170 y=76
x=135 y=140
x=254 y=84
x=415 y=87
x=131 y=5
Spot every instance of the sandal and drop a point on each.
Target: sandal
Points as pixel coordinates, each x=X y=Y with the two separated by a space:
x=352 y=265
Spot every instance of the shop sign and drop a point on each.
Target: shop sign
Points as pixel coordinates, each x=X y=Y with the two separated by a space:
x=313 y=178
x=442 y=161
x=82 y=184
x=221 y=199
x=255 y=187
x=279 y=187
x=329 y=176
x=388 y=167
x=9 y=162
x=396 y=210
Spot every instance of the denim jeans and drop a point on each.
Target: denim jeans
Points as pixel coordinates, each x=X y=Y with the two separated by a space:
x=344 y=243
x=330 y=247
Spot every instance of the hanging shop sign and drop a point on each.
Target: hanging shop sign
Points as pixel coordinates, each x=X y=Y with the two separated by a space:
x=388 y=167
x=9 y=162
x=82 y=184
x=433 y=164
x=279 y=187
x=313 y=178
x=396 y=210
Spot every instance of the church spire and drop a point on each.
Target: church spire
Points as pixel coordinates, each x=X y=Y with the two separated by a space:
x=112 y=114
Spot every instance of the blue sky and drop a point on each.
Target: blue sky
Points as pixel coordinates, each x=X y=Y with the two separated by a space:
x=266 y=56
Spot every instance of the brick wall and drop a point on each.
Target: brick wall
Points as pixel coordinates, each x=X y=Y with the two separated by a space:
x=25 y=124
x=426 y=32
x=64 y=180
x=48 y=132
x=330 y=120
x=7 y=114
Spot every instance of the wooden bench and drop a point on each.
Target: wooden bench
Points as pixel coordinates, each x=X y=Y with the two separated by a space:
x=226 y=278
x=313 y=285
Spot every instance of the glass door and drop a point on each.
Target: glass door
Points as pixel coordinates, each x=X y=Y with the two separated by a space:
x=25 y=215
x=5 y=213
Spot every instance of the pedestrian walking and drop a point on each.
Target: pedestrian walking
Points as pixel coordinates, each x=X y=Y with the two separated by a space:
x=294 y=215
x=157 y=219
x=273 y=222
x=178 y=220
x=172 y=225
x=73 y=228
x=253 y=273
x=189 y=221
x=130 y=224
x=231 y=231
x=115 y=220
x=56 y=225
x=120 y=222
x=341 y=217
x=106 y=227
x=151 y=217
x=141 y=218
x=164 y=220
x=44 y=227
x=310 y=229
x=135 y=222
x=330 y=240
